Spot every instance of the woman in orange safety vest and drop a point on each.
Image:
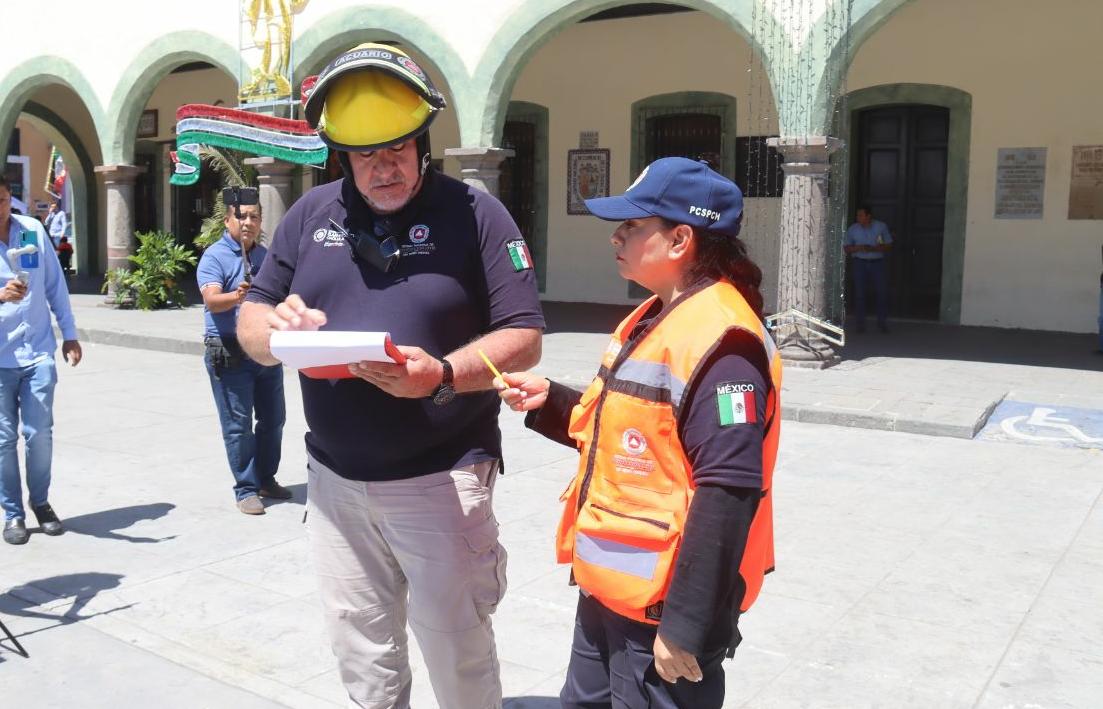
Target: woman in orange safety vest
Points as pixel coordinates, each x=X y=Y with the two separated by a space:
x=667 y=524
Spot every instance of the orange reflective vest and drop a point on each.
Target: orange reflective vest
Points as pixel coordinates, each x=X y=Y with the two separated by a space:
x=626 y=508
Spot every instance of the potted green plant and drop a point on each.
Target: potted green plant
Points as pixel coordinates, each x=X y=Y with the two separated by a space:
x=151 y=281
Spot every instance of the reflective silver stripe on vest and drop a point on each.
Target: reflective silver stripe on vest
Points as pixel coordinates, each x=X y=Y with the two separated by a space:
x=771 y=346
x=626 y=559
x=652 y=374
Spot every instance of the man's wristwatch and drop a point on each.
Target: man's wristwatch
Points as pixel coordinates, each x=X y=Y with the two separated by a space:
x=445 y=392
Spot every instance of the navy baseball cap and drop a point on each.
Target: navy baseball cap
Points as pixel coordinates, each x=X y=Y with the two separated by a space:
x=679 y=189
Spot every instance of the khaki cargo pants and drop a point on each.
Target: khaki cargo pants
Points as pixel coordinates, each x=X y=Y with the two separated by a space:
x=424 y=550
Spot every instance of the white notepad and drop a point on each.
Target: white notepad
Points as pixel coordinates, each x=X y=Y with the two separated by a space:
x=307 y=349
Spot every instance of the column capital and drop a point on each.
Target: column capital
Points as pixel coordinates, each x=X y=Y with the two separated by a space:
x=481 y=167
x=808 y=155
x=268 y=168
x=118 y=174
x=483 y=156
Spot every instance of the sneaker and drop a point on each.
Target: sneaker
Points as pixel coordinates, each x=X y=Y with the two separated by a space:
x=275 y=491
x=48 y=520
x=15 y=531
x=251 y=505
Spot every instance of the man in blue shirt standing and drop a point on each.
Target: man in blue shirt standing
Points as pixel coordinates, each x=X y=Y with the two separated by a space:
x=240 y=385
x=867 y=242
x=27 y=369
x=57 y=223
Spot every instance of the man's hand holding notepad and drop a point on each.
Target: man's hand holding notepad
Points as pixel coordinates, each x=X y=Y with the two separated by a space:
x=327 y=354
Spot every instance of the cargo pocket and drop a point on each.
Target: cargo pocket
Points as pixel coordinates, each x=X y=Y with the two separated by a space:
x=487 y=575
x=624 y=554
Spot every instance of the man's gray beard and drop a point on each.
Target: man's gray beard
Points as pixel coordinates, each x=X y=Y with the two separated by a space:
x=377 y=209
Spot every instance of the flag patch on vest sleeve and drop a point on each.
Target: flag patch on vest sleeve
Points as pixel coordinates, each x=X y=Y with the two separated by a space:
x=736 y=403
x=519 y=254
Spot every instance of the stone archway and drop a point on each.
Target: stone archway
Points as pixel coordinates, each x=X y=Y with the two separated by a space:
x=141 y=77
x=86 y=218
x=19 y=84
x=523 y=33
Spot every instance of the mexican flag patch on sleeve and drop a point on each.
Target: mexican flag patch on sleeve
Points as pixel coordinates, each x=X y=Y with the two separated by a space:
x=736 y=403
x=519 y=254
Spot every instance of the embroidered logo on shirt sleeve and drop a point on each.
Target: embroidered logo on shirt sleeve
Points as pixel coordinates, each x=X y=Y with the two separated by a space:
x=519 y=254
x=735 y=402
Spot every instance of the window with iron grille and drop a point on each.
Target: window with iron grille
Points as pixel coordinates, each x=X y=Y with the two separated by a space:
x=758 y=169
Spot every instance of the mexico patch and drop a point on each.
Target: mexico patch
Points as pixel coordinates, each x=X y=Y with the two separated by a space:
x=735 y=401
x=519 y=254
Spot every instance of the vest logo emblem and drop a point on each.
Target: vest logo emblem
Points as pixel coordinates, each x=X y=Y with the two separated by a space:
x=633 y=442
x=419 y=234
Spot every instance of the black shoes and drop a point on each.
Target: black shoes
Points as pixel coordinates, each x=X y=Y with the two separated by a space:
x=48 y=520
x=15 y=531
x=275 y=491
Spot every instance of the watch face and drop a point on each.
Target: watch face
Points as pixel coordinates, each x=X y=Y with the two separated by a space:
x=444 y=395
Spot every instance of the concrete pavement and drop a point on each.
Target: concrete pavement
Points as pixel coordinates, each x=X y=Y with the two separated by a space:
x=912 y=571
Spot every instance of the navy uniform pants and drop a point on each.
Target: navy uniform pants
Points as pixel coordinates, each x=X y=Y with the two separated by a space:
x=613 y=667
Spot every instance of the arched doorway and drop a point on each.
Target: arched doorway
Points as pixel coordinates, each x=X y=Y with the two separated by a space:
x=900 y=159
x=51 y=116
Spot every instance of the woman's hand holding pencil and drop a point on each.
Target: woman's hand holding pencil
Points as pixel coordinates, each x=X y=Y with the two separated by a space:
x=522 y=391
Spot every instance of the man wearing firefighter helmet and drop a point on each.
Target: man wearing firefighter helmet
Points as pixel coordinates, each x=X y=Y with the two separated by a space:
x=402 y=458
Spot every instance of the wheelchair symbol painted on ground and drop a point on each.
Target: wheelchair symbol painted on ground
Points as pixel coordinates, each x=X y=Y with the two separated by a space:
x=1043 y=419
x=1025 y=422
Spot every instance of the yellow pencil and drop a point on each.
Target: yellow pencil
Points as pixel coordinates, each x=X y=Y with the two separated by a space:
x=490 y=365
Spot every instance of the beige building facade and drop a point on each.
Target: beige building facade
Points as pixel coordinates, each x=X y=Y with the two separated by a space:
x=924 y=96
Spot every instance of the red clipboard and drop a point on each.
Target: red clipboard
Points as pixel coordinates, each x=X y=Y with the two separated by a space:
x=341 y=371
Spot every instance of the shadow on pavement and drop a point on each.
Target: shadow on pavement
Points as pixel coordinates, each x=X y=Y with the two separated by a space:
x=81 y=587
x=105 y=523
x=531 y=703
x=917 y=340
x=298 y=496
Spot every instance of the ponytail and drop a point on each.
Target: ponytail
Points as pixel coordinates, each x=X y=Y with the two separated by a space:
x=724 y=257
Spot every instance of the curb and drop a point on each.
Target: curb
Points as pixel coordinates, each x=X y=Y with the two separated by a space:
x=140 y=342
x=889 y=421
x=789 y=412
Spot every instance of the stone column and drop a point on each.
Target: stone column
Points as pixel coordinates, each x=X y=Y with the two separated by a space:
x=481 y=167
x=118 y=182
x=274 y=177
x=806 y=247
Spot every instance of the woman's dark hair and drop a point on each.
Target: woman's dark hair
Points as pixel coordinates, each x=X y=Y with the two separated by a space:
x=725 y=257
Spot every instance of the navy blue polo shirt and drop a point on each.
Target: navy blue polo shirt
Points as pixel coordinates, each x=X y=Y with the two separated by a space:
x=221 y=265
x=460 y=276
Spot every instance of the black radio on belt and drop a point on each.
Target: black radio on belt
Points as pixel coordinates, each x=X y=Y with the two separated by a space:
x=380 y=249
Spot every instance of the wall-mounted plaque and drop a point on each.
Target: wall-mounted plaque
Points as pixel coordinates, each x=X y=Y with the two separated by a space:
x=587 y=177
x=1086 y=190
x=1020 y=183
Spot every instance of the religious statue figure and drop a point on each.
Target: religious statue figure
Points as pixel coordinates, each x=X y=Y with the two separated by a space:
x=270 y=27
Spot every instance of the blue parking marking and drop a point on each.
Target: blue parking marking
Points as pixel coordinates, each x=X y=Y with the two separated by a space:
x=1045 y=425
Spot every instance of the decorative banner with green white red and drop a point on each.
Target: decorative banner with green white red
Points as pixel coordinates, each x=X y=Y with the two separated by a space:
x=264 y=136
